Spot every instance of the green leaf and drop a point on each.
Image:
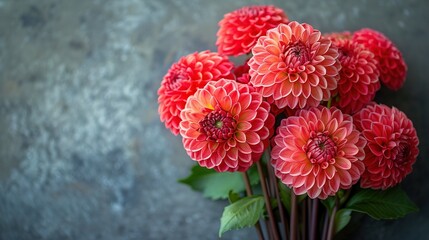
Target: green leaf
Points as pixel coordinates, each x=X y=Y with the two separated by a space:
x=285 y=196
x=329 y=203
x=387 y=204
x=217 y=185
x=342 y=218
x=233 y=197
x=253 y=175
x=243 y=213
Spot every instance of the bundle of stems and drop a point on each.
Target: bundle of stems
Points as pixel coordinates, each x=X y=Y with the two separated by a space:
x=305 y=220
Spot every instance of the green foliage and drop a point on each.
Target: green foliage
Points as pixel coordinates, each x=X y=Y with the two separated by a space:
x=242 y=213
x=342 y=218
x=329 y=203
x=387 y=204
x=217 y=185
x=285 y=196
x=233 y=197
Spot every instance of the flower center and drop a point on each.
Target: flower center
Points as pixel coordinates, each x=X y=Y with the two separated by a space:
x=343 y=52
x=175 y=80
x=321 y=149
x=218 y=125
x=403 y=152
x=345 y=56
x=295 y=55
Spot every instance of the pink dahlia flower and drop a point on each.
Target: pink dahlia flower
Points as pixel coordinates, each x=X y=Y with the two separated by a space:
x=294 y=66
x=392 y=146
x=184 y=78
x=239 y=30
x=226 y=126
x=358 y=76
x=391 y=64
x=318 y=152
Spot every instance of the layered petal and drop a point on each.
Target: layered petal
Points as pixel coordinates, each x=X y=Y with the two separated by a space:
x=318 y=151
x=239 y=30
x=359 y=75
x=226 y=126
x=391 y=64
x=293 y=66
x=184 y=78
x=392 y=146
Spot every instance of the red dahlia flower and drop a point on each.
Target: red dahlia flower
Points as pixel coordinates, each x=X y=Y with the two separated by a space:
x=184 y=78
x=391 y=64
x=318 y=152
x=358 y=76
x=294 y=66
x=226 y=126
x=239 y=30
x=392 y=146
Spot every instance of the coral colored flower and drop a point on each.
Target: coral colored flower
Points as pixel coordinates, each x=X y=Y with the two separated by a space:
x=392 y=146
x=318 y=152
x=226 y=126
x=391 y=64
x=294 y=66
x=239 y=30
x=358 y=76
x=184 y=78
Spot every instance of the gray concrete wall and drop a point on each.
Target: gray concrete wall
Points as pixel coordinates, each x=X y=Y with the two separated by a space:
x=83 y=154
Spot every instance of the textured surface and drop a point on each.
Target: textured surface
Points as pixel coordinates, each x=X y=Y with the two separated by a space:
x=82 y=152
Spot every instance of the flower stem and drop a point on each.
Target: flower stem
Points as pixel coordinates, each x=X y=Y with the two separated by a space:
x=283 y=218
x=272 y=220
x=314 y=216
x=293 y=216
x=304 y=219
x=247 y=184
x=249 y=193
x=325 y=225
x=332 y=219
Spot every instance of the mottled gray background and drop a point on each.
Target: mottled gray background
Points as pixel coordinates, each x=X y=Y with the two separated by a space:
x=82 y=152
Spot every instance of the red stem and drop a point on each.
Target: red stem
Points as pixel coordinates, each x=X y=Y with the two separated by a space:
x=272 y=220
x=249 y=193
x=283 y=218
x=332 y=220
x=293 y=216
x=314 y=216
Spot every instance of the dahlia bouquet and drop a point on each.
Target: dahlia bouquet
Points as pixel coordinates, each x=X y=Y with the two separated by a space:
x=290 y=134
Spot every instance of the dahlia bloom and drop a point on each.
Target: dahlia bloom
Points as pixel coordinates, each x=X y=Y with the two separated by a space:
x=391 y=64
x=318 y=152
x=294 y=66
x=392 y=146
x=184 y=78
x=240 y=29
x=358 y=76
x=226 y=126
